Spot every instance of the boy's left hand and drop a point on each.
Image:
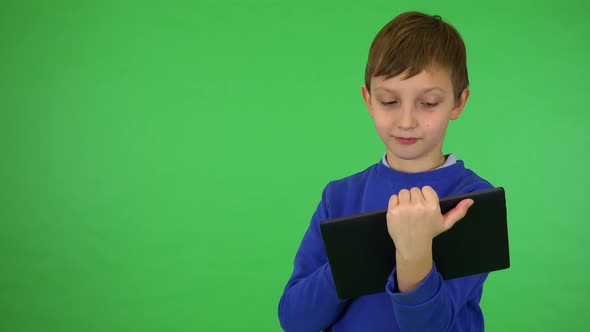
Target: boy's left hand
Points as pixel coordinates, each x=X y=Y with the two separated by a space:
x=414 y=219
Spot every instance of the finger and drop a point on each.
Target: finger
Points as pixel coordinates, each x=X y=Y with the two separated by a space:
x=393 y=201
x=416 y=195
x=404 y=196
x=430 y=194
x=450 y=218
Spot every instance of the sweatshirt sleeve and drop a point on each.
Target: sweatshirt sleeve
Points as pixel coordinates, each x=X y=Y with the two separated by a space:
x=436 y=303
x=309 y=301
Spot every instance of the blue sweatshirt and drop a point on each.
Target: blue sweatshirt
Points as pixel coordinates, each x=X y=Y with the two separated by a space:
x=309 y=301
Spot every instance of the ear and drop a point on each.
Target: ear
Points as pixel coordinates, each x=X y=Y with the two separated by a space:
x=367 y=98
x=460 y=104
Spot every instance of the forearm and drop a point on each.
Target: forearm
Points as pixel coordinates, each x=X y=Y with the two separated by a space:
x=310 y=303
x=411 y=271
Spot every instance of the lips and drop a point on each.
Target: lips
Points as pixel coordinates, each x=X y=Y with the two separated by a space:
x=406 y=140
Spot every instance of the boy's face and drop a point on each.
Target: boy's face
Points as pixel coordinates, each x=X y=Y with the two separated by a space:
x=411 y=117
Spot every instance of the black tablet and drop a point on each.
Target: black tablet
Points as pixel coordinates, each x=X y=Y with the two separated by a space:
x=362 y=255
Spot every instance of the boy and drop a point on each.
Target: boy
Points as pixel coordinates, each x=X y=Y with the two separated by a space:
x=415 y=82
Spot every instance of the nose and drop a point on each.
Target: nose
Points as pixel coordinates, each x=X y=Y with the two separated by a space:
x=407 y=119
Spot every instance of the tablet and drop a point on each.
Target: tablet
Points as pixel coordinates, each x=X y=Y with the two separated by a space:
x=361 y=253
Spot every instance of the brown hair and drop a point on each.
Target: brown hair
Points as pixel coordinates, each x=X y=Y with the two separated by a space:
x=414 y=41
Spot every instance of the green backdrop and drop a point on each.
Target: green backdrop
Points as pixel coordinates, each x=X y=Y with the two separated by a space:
x=160 y=161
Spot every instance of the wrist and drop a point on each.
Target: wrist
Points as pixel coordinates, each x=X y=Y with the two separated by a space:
x=419 y=252
x=410 y=274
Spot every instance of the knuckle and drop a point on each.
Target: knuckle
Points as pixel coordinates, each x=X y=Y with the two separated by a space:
x=393 y=213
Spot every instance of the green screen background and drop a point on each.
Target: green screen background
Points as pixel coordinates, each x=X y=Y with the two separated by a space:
x=160 y=161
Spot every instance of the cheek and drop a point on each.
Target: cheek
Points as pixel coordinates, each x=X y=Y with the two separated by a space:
x=382 y=124
x=382 y=127
x=436 y=128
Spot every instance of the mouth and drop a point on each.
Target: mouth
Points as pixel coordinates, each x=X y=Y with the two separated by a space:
x=406 y=140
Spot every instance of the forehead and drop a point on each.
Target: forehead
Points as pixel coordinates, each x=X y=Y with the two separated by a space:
x=431 y=79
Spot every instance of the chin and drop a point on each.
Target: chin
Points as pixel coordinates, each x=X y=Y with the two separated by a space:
x=405 y=156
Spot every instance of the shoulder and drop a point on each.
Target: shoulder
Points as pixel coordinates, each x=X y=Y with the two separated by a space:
x=350 y=182
x=343 y=195
x=471 y=181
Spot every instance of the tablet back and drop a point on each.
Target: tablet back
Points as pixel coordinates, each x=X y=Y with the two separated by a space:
x=362 y=255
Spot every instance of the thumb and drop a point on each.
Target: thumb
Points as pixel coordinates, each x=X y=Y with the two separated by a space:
x=456 y=214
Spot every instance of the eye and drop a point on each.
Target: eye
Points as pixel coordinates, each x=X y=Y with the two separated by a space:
x=430 y=105
x=388 y=103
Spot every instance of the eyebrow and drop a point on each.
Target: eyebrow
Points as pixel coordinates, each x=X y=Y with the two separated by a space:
x=421 y=91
